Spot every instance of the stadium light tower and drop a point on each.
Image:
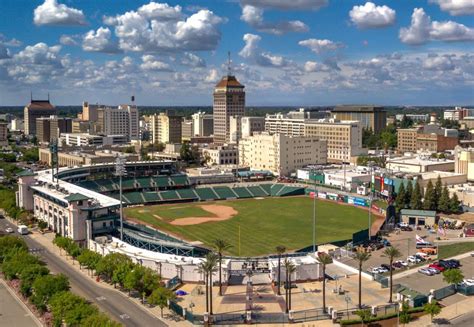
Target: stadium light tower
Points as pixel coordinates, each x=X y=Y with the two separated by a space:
x=120 y=171
x=314 y=169
x=371 y=165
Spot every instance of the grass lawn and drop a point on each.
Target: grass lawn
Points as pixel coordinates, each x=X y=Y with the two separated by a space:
x=451 y=250
x=264 y=223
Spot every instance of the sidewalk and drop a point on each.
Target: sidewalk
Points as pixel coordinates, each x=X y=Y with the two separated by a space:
x=447 y=313
x=46 y=240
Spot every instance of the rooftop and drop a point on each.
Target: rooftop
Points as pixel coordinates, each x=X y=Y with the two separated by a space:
x=358 y=108
x=40 y=105
x=229 y=81
x=424 y=213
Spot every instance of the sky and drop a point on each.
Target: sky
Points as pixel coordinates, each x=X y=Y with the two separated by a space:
x=285 y=52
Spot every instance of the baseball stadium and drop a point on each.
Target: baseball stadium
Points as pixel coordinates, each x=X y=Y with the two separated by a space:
x=171 y=208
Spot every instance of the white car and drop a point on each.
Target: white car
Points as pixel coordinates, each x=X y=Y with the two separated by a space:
x=377 y=270
x=472 y=254
x=433 y=270
x=403 y=224
x=413 y=259
x=469 y=282
x=9 y=230
x=421 y=254
x=426 y=271
x=402 y=263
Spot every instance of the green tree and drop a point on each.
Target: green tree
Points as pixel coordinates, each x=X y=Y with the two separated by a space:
x=29 y=275
x=433 y=309
x=44 y=287
x=42 y=225
x=160 y=297
x=444 y=201
x=89 y=259
x=324 y=259
x=107 y=265
x=361 y=256
x=454 y=204
x=406 y=122
x=99 y=320
x=438 y=190
x=290 y=268
x=133 y=279
x=207 y=268
x=280 y=249
x=429 y=202
x=17 y=260
x=220 y=246
x=400 y=199
x=391 y=253
x=70 y=308
x=415 y=202
x=388 y=137
x=9 y=243
x=453 y=276
x=408 y=194
x=405 y=317
x=364 y=315
x=121 y=272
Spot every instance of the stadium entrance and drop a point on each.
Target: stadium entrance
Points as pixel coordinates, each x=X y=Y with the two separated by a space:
x=252 y=270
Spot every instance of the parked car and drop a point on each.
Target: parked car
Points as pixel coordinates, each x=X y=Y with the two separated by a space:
x=403 y=224
x=435 y=271
x=9 y=230
x=429 y=251
x=426 y=271
x=436 y=266
x=450 y=264
x=455 y=263
x=420 y=257
x=400 y=263
x=413 y=259
x=421 y=254
x=472 y=254
x=468 y=282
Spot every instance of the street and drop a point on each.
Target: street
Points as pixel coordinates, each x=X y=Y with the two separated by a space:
x=112 y=302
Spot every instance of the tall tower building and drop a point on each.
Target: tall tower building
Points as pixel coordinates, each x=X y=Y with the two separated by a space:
x=229 y=100
x=34 y=110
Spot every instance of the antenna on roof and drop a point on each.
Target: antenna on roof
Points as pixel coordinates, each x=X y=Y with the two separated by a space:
x=48 y=96
x=229 y=68
x=31 y=96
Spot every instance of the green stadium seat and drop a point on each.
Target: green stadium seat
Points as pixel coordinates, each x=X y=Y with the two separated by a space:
x=206 y=193
x=179 y=180
x=291 y=190
x=267 y=188
x=187 y=194
x=128 y=183
x=257 y=191
x=134 y=197
x=224 y=192
x=242 y=192
x=145 y=182
x=169 y=195
x=275 y=188
x=161 y=181
x=151 y=197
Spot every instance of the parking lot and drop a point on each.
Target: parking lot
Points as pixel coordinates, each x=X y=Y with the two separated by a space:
x=424 y=284
x=404 y=241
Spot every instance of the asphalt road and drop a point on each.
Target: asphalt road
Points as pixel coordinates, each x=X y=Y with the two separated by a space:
x=464 y=320
x=115 y=304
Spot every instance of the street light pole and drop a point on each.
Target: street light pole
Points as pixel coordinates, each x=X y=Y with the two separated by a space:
x=120 y=171
x=370 y=198
x=314 y=211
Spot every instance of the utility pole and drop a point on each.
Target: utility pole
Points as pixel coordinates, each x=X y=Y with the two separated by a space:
x=371 y=165
x=314 y=208
x=120 y=171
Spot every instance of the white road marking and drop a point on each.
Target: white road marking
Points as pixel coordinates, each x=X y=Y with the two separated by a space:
x=124 y=316
x=100 y=298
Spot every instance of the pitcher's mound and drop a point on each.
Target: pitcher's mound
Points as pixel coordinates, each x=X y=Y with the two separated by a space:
x=220 y=213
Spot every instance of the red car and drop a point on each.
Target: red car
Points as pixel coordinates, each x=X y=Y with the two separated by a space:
x=436 y=266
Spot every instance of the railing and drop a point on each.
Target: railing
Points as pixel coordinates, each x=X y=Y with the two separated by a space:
x=309 y=315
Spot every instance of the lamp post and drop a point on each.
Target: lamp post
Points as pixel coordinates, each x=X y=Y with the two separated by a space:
x=120 y=171
x=371 y=195
x=314 y=169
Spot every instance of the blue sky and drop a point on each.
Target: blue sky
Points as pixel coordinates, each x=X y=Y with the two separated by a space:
x=298 y=52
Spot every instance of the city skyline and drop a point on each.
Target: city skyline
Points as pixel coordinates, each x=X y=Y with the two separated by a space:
x=298 y=53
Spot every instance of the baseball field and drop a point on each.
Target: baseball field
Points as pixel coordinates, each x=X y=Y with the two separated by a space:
x=262 y=223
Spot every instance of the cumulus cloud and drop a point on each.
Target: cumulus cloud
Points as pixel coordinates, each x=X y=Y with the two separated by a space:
x=254 y=17
x=252 y=51
x=313 y=66
x=441 y=63
x=372 y=16
x=100 y=41
x=161 y=28
x=422 y=30
x=212 y=76
x=53 y=13
x=192 y=60
x=68 y=40
x=319 y=46
x=287 y=4
x=151 y=63
x=456 y=7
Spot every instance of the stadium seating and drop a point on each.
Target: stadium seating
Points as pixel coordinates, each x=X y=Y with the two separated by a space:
x=257 y=191
x=224 y=192
x=275 y=188
x=290 y=190
x=151 y=197
x=267 y=188
x=179 y=180
x=128 y=183
x=242 y=192
x=187 y=194
x=161 y=181
x=169 y=196
x=90 y=185
x=144 y=182
x=206 y=194
x=134 y=197
x=106 y=185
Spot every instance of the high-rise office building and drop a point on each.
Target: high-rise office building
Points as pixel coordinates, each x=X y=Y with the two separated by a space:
x=229 y=100
x=3 y=133
x=166 y=127
x=371 y=117
x=89 y=111
x=186 y=129
x=36 y=109
x=203 y=124
x=123 y=120
x=51 y=128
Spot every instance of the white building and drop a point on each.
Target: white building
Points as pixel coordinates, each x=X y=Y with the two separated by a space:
x=419 y=164
x=227 y=154
x=251 y=125
x=413 y=117
x=346 y=179
x=17 y=124
x=203 y=124
x=123 y=120
x=280 y=154
x=84 y=139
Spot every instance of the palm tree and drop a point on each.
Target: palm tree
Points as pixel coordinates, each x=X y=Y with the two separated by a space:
x=391 y=253
x=361 y=257
x=280 y=249
x=324 y=259
x=220 y=246
x=207 y=267
x=289 y=269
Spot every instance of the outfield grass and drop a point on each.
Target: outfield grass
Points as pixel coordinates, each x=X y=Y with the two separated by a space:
x=451 y=250
x=264 y=223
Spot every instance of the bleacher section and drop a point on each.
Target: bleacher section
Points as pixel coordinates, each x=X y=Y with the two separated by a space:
x=224 y=192
x=257 y=191
x=144 y=182
x=242 y=192
x=205 y=194
x=161 y=181
x=179 y=180
x=187 y=194
x=151 y=196
x=169 y=196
